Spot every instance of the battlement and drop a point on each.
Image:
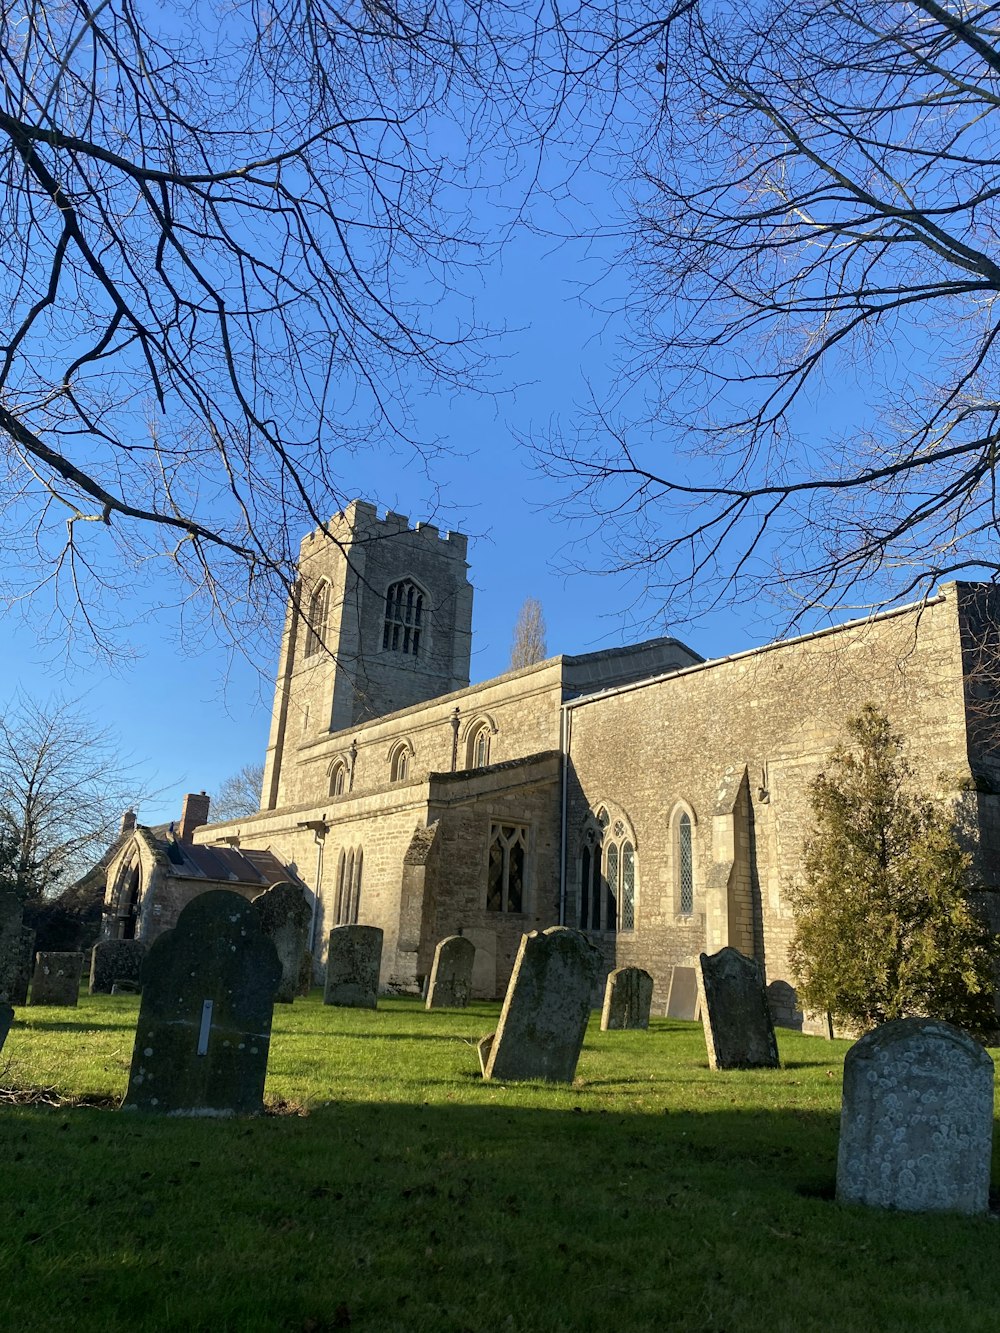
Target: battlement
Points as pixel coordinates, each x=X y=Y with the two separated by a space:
x=359 y=521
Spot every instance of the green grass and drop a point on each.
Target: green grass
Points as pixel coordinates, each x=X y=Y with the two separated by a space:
x=403 y=1193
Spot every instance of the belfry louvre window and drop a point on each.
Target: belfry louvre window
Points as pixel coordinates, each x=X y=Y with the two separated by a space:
x=404 y=615
x=505 y=874
x=316 y=618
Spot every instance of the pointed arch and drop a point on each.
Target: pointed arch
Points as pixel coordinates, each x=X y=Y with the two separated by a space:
x=317 y=614
x=683 y=822
x=607 y=871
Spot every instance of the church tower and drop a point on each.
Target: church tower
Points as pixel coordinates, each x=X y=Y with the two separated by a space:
x=382 y=619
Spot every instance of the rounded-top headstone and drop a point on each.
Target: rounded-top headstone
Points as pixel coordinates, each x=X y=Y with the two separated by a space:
x=916 y=1122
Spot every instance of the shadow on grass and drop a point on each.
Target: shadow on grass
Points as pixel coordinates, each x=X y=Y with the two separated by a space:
x=80 y=1026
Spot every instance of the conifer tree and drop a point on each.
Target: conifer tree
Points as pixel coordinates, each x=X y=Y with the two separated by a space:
x=884 y=926
x=528 y=645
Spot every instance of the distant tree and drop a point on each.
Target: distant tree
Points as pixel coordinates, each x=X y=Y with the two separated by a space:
x=529 y=635
x=63 y=786
x=884 y=927
x=239 y=794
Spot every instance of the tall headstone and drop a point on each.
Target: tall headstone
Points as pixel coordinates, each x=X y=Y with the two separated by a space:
x=285 y=917
x=450 y=985
x=627 y=999
x=739 y=1033
x=545 y=1011
x=113 y=962
x=916 y=1122
x=204 y=1029
x=56 y=979
x=22 y=979
x=10 y=944
x=682 y=997
x=353 y=960
x=6 y=1021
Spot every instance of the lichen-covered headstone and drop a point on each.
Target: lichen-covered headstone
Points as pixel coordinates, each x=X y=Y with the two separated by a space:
x=450 y=984
x=739 y=1033
x=22 y=979
x=682 y=997
x=204 y=1029
x=113 y=962
x=546 y=1008
x=627 y=999
x=353 y=960
x=916 y=1122
x=6 y=1021
x=10 y=944
x=284 y=917
x=56 y=979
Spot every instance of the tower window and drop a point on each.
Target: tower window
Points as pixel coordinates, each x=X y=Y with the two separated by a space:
x=316 y=618
x=404 y=611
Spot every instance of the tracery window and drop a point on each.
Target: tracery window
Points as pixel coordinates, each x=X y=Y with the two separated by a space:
x=350 y=865
x=507 y=866
x=607 y=875
x=316 y=618
x=478 y=747
x=404 y=618
x=399 y=762
x=338 y=778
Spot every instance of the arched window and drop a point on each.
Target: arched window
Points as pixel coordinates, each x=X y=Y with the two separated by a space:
x=507 y=868
x=477 y=749
x=348 y=899
x=404 y=618
x=685 y=865
x=399 y=762
x=338 y=778
x=316 y=618
x=607 y=874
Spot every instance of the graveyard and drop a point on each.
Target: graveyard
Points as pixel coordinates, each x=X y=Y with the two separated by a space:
x=388 y=1186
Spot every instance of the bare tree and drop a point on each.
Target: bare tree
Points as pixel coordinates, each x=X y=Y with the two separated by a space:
x=239 y=794
x=528 y=644
x=63 y=787
x=814 y=345
x=224 y=238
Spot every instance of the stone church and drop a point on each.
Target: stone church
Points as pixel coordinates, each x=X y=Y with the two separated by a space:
x=656 y=800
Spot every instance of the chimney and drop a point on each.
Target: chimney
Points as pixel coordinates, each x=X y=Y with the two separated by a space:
x=193 y=815
x=128 y=823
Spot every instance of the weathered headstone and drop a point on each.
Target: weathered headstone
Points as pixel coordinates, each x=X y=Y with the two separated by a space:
x=305 y=983
x=627 y=999
x=22 y=979
x=546 y=1008
x=10 y=944
x=285 y=917
x=483 y=1047
x=739 y=1033
x=204 y=1029
x=450 y=984
x=56 y=979
x=6 y=1021
x=113 y=962
x=353 y=960
x=682 y=997
x=916 y=1122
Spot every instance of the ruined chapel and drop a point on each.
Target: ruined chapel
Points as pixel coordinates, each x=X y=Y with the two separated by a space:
x=655 y=800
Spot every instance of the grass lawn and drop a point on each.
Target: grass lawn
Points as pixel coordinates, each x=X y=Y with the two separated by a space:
x=400 y=1192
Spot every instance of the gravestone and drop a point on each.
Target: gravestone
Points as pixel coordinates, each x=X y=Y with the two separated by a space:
x=56 y=979
x=353 y=960
x=204 y=1029
x=916 y=1121
x=113 y=962
x=627 y=999
x=285 y=917
x=22 y=979
x=10 y=944
x=682 y=996
x=6 y=1021
x=739 y=1033
x=546 y=1008
x=305 y=983
x=483 y=1047
x=450 y=984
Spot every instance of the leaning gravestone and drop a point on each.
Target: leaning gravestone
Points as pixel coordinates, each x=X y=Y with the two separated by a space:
x=113 y=962
x=916 y=1121
x=627 y=999
x=204 y=1027
x=682 y=996
x=353 y=960
x=10 y=944
x=6 y=1021
x=56 y=980
x=284 y=917
x=739 y=1033
x=450 y=982
x=22 y=980
x=546 y=1008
